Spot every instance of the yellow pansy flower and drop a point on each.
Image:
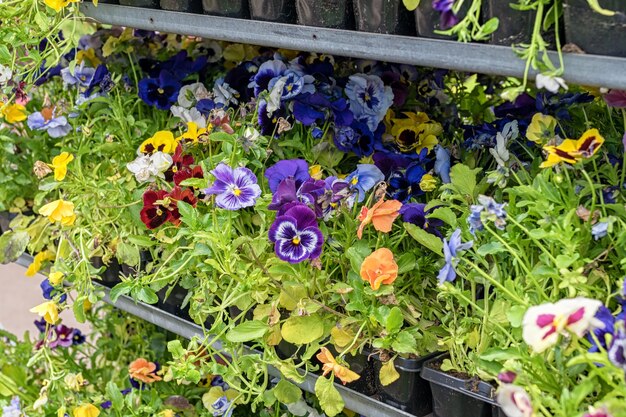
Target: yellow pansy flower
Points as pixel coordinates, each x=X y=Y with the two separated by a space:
x=48 y=310
x=74 y=381
x=38 y=260
x=58 y=5
x=56 y=278
x=192 y=134
x=59 y=211
x=541 y=128
x=162 y=141
x=315 y=171
x=168 y=413
x=13 y=113
x=571 y=151
x=86 y=410
x=428 y=183
x=416 y=132
x=59 y=164
x=88 y=55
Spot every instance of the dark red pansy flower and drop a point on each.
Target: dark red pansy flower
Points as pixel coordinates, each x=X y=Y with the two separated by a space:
x=180 y=194
x=187 y=173
x=179 y=163
x=152 y=214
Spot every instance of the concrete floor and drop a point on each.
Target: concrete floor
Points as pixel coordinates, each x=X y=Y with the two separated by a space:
x=18 y=295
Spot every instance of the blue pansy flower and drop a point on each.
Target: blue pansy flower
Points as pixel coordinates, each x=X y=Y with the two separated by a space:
x=369 y=98
x=81 y=76
x=406 y=185
x=268 y=71
x=364 y=178
x=442 y=163
x=451 y=251
x=49 y=292
x=161 y=92
x=222 y=407
x=293 y=84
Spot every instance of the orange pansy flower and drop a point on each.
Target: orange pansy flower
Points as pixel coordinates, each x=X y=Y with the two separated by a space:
x=379 y=268
x=382 y=215
x=331 y=365
x=143 y=371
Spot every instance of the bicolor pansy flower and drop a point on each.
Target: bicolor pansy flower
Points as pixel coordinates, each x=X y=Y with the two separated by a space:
x=296 y=235
x=571 y=151
x=543 y=324
x=235 y=188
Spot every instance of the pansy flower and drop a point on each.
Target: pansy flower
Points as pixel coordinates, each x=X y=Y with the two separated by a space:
x=379 y=268
x=369 y=98
x=296 y=235
x=597 y=412
x=147 y=168
x=45 y=119
x=451 y=250
x=38 y=261
x=447 y=17
x=59 y=164
x=404 y=186
x=162 y=141
x=186 y=173
x=364 y=178
x=617 y=350
x=542 y=128
x=86 y=410
x=144 y=371
x=160 y=92
x=59 y=211
x=571 y=151
x=295 y=168
x=180 y=162
x=381 y=215
x=193 y=133
x=235 y=188
x=416 y=132
x=154 y=212
x=416 y=213
x=545 y=323
x=514 y=401
x=12 y=113
x=330 y=364
x=61 y=336
x=49 y=291
x=48 y=310
x=180 y=194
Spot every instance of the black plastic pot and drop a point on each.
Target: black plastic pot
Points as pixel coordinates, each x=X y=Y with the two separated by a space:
x=111 y=275
x=410 y=392
x=283 y=11
x=427 y=19
x=515 y=26
x=173 y=303
x=336 y=14
x=457 y=396
x=145 y=258
x=595 y=33
x=363 y=364
x=227 y=8
x=383 y=16
x=189 y=6
x=150 y=4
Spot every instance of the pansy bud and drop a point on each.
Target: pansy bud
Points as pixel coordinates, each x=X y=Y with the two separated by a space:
x=507 y=377
x=41 y=169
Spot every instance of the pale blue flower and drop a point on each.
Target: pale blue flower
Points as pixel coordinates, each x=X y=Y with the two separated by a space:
x=451 y=250
x=369 y=99
x=364 y=179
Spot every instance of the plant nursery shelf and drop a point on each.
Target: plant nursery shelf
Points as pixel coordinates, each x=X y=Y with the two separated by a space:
x=589 y=70
x=355 y=401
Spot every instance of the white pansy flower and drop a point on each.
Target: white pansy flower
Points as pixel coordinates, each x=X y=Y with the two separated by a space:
x=550 y=83
x=5 y=74
x=189 y=115
x=190 y=94
x=147 y=168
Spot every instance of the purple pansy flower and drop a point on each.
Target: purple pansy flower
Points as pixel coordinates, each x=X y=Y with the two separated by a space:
x=40 y=325
x=49 y=292
x=296 y=168
x=235 y=188
x=296 y=235
x=615 y=98
x=442 y=163
x=450 y=252
x=415 y=213
x=487 y=210
x=82 y=75
x=447 y=18
x=56 y=127
x=288 y=192
x=61 y=336
x=222 y=407
x=617 y=351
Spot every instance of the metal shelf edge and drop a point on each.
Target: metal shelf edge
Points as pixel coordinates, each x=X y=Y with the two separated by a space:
x=590 y=70
x=354 y=401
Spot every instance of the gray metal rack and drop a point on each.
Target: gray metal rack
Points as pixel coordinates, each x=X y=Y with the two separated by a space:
x=590 y=70
x=355 y=401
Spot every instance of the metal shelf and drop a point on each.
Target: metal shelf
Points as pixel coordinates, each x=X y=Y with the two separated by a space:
x=355 y=401
x=590 y=70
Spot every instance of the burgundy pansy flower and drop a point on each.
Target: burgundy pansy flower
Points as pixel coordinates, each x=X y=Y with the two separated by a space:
x=296 y=235
x=235 y=188
x=61 y=336
x=154 y=212
x=176 y=195
x=180 y=162
x=185 y=174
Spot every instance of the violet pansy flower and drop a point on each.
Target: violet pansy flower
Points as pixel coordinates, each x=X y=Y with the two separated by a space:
x=451 y=251
x=56 y=127
x=235 y=188
x=296 y=235
x=296 y=168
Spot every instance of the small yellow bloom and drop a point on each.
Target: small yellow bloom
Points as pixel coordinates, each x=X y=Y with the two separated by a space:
x=88 y=55
x=416 y=132
x=541 y=128
x=192 y=134
x=48 y=310
x=86 y=410
x=428 y=183
x=168 y=413
x=59 y=211
x=162 y=141
x=571 y=151
x=56 y=278
x=59 y=164
x=13 y=113
x=315 y=171
x=58 y=5
x=38 y=260
x=330 y=365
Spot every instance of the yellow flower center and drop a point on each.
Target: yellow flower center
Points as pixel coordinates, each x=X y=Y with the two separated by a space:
x=160 y=91
x=159 y=212
x=296 y=240
x=354 y=181
x=236 y=191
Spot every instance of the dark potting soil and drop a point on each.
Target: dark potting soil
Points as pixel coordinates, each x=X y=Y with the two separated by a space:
x=473 y=381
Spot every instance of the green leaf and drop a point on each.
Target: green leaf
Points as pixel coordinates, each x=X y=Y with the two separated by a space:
x=388 y=373
x=142 y=241
x=445 y=214
x=404 y=343
x=5 y=55
x=598 y=9
x=128 y=254
x=432 y=242
x=291 y=294
x=247 y=331
x=394 y=320
x=286 y=392
x=515 y=315
x=301 y=330
x=79 y=309
x=489 y=27
x=188 y=214
x=175 y=347
x=490 y=248
x=114 y=394
x=12 y=245
x=464 y=179
x=194 y=182
x=120 y=289
x=146 y=295
x=328 y=396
